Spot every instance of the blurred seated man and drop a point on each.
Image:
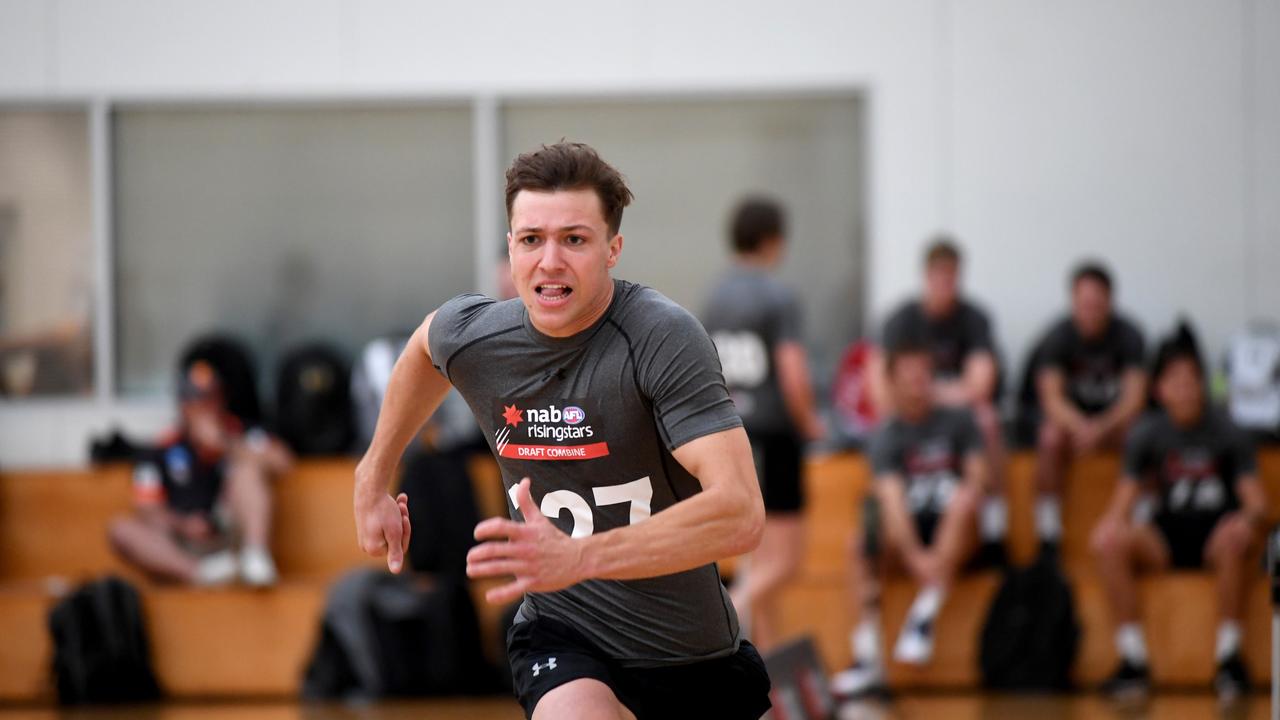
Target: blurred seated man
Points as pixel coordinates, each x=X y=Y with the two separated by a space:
x=930 y=471
x=966 y=372
x=1091 y=386
x=199 y=484
x=1210 y=511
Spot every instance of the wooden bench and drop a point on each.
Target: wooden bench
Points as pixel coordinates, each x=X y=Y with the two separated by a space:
x=240 y=642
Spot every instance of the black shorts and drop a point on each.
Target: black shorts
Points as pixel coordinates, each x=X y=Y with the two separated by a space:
x=779 y=461
x=546 y=653
x=1186 y=537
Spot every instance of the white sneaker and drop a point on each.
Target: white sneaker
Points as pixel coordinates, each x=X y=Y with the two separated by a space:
x=915 y=643
x=860 y=680
x=257 y=568
x=216 y=569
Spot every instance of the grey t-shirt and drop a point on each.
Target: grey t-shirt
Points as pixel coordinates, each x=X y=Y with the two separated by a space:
x=593 y=420
x=748 y=314
x=929 y=456
x=1194 y=470
x=951 y=339
x=1093 y=368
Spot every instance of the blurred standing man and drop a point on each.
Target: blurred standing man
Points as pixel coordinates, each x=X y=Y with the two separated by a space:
x=755 y=323
x=965 y=370
x=607 y=399
x=1211 y=510
x=1091 y=386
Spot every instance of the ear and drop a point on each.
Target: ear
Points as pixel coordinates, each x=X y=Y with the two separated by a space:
x=511 y=244
x=615 y=250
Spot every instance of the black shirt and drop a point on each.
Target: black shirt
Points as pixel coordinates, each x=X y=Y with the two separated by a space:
x=1193 y=470
x=951 y=338
x=173 y=473
x=929 y=456
x=1093 y=368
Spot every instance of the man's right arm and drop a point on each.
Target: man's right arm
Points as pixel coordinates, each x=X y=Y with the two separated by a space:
x=414 y=392
x=1052 y=386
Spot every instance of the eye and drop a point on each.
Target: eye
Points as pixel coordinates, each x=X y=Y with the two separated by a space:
x=575 y=240
x=529 y=239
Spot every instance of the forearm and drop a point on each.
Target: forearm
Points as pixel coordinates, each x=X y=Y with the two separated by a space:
x=1132 y=399
x=878 y=379
x=1126 y=496
x=1053 y=399
x=979 y=379
x=413 y=393
x=710 y=526
x=1253 y=500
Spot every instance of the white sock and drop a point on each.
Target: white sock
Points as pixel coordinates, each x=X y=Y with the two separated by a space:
x=1131 y=644
x=865 y=640
x=1228 y=639
x=994 y=519
x=1048 y=518
x=927 y=604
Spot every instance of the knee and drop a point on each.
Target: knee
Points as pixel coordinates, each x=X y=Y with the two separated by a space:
x=1109 y=544
x=1051 y=440
x=1231 y=545
x=120 y=530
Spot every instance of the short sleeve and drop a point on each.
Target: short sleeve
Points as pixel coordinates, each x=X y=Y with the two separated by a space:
x=447 y=333
x=977 y=330
x=680 y=373
x=896 y=328
x=1139 y=447
x=885 y=456
x=1057 y=347
x=148 y=481
x=790 y=319
x=1131 y=347
x=1244 y=455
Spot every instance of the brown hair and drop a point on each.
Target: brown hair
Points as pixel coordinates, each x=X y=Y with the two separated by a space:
x=942 y=247
x=755 y=220
x=570 y=166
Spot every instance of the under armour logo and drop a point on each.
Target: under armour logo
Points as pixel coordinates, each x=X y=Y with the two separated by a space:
x=538 y=667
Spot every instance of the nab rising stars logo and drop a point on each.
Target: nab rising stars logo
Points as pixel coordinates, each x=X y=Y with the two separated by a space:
x=557 y=424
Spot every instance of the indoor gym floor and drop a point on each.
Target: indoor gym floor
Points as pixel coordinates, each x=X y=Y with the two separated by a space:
x=1171 y=706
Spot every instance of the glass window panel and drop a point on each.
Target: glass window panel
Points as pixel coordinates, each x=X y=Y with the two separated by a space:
x=46 y=253
x=284 y=224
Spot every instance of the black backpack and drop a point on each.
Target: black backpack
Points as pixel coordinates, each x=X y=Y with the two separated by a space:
x=101 y=653
x=407 y=635
x=1031 y=635
x=313 y=401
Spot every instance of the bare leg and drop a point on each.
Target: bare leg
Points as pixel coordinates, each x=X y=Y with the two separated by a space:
x=775 y=562
x=249 y=497
x=1120 y=557
x=148 y=542
x=988 y=419
x=583 y=699
x=956 y=538
x=1227 y=553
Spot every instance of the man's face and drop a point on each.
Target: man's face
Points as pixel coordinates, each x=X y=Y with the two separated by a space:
x=941 y=284
x=912 y=379
x=1181 y=390
x=561 y=251
x=1090 y=307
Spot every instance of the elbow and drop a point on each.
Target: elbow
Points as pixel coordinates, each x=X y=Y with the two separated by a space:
x=748 y=525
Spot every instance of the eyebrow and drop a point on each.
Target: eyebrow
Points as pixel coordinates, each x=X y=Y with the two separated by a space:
x=566 y=228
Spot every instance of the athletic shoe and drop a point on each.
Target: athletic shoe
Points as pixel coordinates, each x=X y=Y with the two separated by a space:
x=1129 y=682
x=915 y=642
x=860 y=681
x=257 y=568
x=215 y=569
x=1232 y=679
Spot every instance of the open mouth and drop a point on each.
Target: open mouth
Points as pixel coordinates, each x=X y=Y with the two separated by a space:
x=552 y=293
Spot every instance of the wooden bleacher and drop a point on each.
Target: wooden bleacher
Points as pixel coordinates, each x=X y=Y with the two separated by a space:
x=237 y=642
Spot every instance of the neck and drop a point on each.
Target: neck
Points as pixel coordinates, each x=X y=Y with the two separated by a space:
x=937 y=307
x=759 y=261
x=1187 y=421
x=914 y=412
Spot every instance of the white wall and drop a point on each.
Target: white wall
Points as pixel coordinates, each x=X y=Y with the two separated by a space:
x=1144 y=131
